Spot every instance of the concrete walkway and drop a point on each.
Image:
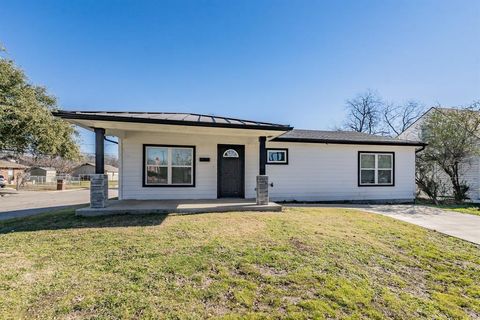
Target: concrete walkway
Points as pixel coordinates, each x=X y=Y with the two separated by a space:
x=460 y=225
x=28 y=203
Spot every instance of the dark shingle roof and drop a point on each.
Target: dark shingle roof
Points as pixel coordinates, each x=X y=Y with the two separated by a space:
x=192 y=119
x=11 y=165
x=341 y=137
x=107 y=167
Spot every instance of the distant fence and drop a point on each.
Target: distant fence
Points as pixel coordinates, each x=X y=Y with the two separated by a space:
x=80 y=180
x=52 y=180
x=86 y=177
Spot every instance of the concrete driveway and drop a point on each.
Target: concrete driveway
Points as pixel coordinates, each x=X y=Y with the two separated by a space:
x=28 y=203
x=460 y=225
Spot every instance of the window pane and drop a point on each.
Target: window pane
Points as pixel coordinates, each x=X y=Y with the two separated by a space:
x=157 y=156
x=182 y=157
x=385 y=176
x=230 y=153
x=367 y=161
x=276 y=156
x=384 y=161
x=181 y=175
x=157 y=175
x=367 y=176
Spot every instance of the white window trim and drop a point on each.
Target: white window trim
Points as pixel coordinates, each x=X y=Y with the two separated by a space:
x=376 y=169
x=277 y=161
x=169 y=166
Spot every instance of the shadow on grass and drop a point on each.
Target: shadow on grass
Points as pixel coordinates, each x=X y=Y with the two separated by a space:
x=7 y=191
x=21 y=213
x=66 y=219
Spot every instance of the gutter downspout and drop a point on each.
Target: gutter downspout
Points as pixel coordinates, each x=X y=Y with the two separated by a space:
x=112 y=141
x=421 y=149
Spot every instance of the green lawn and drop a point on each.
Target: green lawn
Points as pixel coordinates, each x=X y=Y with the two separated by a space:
x=468 y=208
x=299 y=264
x=465 y=208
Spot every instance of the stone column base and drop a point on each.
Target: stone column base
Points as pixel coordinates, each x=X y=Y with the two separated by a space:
x=98 y=190
x=262 y=190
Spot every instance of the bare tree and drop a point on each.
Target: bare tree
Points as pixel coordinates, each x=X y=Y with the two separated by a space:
x=397 y=118
x=363 y=113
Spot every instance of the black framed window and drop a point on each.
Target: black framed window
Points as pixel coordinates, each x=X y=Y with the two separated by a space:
x=376 y=168
x=277 y=156
x=165 y=165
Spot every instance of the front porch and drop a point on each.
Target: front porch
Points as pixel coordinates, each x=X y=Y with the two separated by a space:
x=115 y=207
x=165 y=158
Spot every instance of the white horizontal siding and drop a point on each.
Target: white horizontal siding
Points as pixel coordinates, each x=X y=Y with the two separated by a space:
x=316 y=172
x=206 y=172
x=320 y=172
x=469 y=174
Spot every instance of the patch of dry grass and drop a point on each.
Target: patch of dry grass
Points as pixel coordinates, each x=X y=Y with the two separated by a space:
x=302 y=263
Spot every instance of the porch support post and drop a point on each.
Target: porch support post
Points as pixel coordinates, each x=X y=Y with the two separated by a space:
x=262 y=178
x=99 y=180
x=263 y=155
x=262 y=190
x=99 y=150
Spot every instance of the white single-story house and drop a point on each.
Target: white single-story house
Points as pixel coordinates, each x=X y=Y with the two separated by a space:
x=86 y=169
x=192 y=156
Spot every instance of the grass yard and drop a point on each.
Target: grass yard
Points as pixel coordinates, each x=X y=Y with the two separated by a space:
x=303 y=263
x=465 y=208
x=468 y=208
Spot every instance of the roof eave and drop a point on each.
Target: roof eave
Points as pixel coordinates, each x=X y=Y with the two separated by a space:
x=333 y=141
x=75 y=116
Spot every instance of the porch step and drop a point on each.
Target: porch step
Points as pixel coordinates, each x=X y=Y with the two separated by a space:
x=116 y=207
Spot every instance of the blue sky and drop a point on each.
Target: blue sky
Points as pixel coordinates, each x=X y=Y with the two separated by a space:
x=293 y=62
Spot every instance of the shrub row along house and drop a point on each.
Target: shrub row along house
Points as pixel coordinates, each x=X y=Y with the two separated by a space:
x=193 y=156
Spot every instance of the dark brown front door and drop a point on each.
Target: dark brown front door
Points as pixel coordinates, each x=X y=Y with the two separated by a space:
x=231 y=171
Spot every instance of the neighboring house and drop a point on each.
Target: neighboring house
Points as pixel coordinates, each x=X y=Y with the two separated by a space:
x=470 y=169
x=88 y=168
x=193 y=156
x=9 y=170
x=43 y=174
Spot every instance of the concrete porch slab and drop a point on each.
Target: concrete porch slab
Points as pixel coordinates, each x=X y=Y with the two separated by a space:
x=115 y=207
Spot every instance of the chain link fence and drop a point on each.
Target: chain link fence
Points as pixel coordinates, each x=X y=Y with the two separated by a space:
x=50 y=182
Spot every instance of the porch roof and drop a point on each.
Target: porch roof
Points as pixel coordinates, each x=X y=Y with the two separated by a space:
x=171 y=118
